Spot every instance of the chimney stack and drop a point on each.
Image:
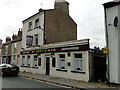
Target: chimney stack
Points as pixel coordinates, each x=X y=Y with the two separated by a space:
x=62 y=5
x=0 y=43
x=8 y=39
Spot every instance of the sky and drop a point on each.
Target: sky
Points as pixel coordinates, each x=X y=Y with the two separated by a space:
x=88 y=15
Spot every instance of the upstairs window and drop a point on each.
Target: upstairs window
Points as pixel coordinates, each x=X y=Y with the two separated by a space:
x=14 y=47
x=37 y=23
x=6 y=49
x=30 y=26
x=36 y=39
x=29 y=40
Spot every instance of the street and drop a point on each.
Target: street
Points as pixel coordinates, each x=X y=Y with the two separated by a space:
x=19 y=82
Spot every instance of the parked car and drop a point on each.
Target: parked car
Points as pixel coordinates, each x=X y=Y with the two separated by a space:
x=9 y=69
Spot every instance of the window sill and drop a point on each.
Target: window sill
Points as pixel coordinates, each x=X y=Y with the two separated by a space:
x=64 y=70
x=35 y=67
x=30 y=30
x=77 y=71
x=36 y=27
x=23 y=66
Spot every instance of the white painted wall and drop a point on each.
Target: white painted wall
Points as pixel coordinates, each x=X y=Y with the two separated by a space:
x=113 y=41
x=69 y=74
x=34 y=31
x=41 y=69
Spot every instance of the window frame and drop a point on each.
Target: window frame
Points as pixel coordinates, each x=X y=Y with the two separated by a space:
x=28 y=61
x=79 y=62
x=14 y=47
x=35 y=62
x=37 y=22
x=30 y=26
x=23 y=61
x=36 y=39
x=61 y=59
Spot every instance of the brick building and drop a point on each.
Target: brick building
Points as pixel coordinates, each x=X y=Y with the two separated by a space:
x=16 y=45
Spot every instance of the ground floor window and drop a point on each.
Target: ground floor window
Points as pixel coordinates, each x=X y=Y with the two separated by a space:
x=35 y=61
x=62 y=61
x=23 y=60
x=28 y=61
x=14 y=59
x=78 y=61
x=18 y=59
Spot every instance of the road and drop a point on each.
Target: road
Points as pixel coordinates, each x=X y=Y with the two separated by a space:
x=19 y=82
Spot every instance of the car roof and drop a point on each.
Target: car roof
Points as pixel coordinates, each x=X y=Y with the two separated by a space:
x=9 y=65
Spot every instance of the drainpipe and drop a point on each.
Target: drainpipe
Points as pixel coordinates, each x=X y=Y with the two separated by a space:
x=44 y=36
x=108 y=68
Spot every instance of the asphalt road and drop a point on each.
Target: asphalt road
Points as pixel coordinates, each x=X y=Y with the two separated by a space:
x=19 y=82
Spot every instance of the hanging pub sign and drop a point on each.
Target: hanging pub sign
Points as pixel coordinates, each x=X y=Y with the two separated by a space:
x=64 y=49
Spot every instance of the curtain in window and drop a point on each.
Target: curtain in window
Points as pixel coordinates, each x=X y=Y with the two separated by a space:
x=78 y=63
x=35 y=62
x=28 y=61
x=62 y=63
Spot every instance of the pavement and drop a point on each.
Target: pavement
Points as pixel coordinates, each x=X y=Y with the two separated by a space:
x=64 y=82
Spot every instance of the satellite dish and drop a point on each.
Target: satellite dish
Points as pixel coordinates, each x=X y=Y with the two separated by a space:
x=115 y=21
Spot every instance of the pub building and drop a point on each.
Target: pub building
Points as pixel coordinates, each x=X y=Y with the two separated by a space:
x=70 y=59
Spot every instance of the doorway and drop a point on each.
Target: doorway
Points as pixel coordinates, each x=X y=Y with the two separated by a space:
x=47 y=65
x=100 y=68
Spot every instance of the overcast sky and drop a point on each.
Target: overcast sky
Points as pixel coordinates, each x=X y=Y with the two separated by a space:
x=88 y=14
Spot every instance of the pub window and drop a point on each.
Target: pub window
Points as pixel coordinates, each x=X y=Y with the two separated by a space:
x=39 y=61
x=62 y=61
x=28 y=60
x=53 y=62
x=35 y=61
x=78 y=61
x=30 y=26
x=14 y=59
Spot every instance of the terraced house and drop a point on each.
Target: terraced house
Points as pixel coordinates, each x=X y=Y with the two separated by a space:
x=16 y=45
x=6 y=51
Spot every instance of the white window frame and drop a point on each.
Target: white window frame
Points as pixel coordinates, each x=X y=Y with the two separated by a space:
x=30 y=26
x=37 y=22
x=36 y=39
x=78 y=62
x=6 y=49
x=14 y=47
x=28 y=61
x=35 y=61
x=23 y=61
x=62 y=62
x=14 y=57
